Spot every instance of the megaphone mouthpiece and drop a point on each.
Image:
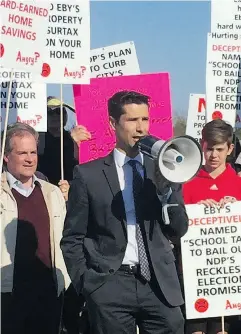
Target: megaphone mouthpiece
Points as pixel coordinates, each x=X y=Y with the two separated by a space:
x=145 y=144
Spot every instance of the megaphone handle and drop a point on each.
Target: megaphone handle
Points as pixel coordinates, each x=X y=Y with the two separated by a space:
x=165 y=215
x=149 y=155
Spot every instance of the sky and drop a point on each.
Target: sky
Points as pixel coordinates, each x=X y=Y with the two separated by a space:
x=169 y=36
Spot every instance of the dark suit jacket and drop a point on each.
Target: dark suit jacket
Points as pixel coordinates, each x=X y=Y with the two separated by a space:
x=95 y=233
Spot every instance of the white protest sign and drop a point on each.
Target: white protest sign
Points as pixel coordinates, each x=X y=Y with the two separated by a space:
x=211 y=260
x=223 y=80
x=226 y=19
x=114 y=60
x=28 y=100
x=23 y=33
x=196 y=116
x=67 y=55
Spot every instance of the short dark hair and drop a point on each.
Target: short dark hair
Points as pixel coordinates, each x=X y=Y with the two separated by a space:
x=120 y=99
x=217 y=132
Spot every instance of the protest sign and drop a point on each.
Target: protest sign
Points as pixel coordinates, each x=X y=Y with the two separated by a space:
x=28 y=100
x=23 y=34
x=67 y=51
x=211 y=259
x=223 y=79
x=196 y=117
x=91 y=109
x=119 y=59
x=225 y=19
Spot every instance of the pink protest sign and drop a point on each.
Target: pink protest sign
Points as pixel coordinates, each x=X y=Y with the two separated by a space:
x=91 y=109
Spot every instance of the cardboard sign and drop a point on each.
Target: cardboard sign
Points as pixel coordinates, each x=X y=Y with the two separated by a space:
x=211 y=259
x=28 y=100
x=91 y=109
x=23 y=34
x=223 y=80
x=196 y=117
x=67 y=51
x=225 y=19
x=114 y=60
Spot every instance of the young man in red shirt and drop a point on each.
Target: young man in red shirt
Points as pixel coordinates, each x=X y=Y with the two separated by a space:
x=217 y=183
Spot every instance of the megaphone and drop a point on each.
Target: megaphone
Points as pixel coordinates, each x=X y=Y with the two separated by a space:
x=179 y=159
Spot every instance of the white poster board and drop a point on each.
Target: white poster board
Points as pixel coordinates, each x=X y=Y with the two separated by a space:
x=28 y=100
x=211 y=259
x=225 y=19
x=223 y=80
x=196 y=116
x=23 y=33
x=114 y=60
x=67 y=51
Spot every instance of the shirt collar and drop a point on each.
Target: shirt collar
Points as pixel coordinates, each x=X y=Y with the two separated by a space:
x=13 y=181
x=121 y=158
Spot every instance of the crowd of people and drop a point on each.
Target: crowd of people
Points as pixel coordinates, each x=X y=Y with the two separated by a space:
x=96 y=252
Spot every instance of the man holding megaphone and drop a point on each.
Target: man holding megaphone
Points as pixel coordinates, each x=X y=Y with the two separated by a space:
x=121 y=214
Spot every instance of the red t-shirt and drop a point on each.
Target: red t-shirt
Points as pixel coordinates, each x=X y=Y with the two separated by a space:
x=203 y=186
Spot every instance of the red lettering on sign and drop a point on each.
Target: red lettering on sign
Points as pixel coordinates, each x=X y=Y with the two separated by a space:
x=201 y=104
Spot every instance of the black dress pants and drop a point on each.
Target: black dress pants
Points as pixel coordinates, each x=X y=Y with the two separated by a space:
x=31 y=310
x=126 y=301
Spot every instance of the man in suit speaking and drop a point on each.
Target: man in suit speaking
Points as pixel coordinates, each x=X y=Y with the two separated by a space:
x=116 y=237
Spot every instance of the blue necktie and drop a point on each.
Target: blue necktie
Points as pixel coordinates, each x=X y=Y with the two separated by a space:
x=137 y=186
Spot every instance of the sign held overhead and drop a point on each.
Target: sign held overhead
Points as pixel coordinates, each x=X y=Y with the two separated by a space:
x=23 y=34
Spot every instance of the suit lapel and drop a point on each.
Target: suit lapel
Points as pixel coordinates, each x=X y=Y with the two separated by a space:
x=110 y=172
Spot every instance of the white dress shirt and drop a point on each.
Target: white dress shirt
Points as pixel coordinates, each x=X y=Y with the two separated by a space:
x=17 y=185
x=125 y=176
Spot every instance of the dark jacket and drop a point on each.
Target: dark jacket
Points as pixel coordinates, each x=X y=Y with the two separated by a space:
x=95 y=234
